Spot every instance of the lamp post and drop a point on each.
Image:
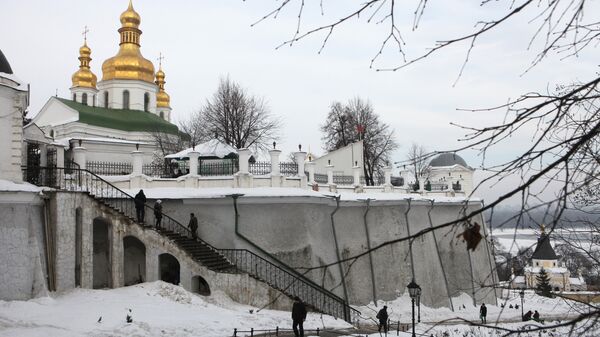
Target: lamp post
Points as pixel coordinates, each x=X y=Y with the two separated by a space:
x=522 y=295
x=414 y=290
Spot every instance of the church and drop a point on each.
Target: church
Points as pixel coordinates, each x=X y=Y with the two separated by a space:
x=122 y=111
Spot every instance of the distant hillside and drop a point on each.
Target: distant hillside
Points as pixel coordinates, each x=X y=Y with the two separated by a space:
x=507 y=217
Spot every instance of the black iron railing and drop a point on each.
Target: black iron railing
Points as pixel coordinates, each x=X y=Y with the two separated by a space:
x=218 y=167
x=290 y=282
x=260 y=168
x=288 y=168
x=283 y=278
x=456 y=186
x=274 y=332
x=109 y=168
x=321 y=178
x=343 y=180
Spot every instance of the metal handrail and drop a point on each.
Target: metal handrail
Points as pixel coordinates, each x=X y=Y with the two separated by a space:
x=282 y=276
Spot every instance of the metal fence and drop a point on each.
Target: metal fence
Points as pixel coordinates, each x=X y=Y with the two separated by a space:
x=218 y=167
x=320 y=178
x=288 y=168
x=343 y=180
x=260 y=168
x=109 y=168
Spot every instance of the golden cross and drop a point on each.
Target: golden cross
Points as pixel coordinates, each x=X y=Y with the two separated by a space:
x=85 y=31
x=160 y=59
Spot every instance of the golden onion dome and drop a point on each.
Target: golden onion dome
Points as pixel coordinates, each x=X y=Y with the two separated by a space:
x=129 y=64
x=162 y=98
x=84 y=77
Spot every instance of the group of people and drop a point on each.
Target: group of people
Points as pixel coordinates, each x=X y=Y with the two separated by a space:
x=140 y=204
x=532 y=315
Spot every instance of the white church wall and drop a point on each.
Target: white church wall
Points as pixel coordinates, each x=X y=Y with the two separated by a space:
x=342 y=159
x=54 y=113
x=91 y=99
x=12 y=103
x=137 y=89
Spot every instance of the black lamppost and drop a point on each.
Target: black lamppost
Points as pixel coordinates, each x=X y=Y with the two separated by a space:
x=414 y=290
x=522 y=295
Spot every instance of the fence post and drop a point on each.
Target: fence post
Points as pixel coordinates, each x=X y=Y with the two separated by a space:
x=332 y=186
x=387 y=172
x=193 y=155
x=275 y=162
x=398 y=329
x=310 y=167
x=244 y=156
x=79 y=156
x=138 y=162
x=300 y=157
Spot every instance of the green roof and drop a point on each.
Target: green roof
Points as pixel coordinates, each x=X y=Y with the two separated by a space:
x=121 y=119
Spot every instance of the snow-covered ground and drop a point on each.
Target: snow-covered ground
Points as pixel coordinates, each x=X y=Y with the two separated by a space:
x=162 y=309
x=157 y=308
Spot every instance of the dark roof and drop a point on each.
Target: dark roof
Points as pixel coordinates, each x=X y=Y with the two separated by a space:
x=4 y=65
x=121 y=119
x=544 y=250
x=447 y=159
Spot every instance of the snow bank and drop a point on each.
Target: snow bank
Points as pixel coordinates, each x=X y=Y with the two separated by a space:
x=9 y=186
x=157 y=308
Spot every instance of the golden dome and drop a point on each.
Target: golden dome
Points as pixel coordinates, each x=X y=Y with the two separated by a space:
x=84 y=76
x=162 y=98
x=129 y=64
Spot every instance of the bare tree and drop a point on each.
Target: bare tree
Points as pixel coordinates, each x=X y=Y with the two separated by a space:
x=236 y=118
x=192 y=127
x=418 y=158
x=355 y=121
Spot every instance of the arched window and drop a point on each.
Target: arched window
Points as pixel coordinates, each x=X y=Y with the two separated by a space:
x=125 y=99
x=106 y=99
x=94 y=100
x=162 y=114
x=74 y=97
x=146 y=101
x=84 y=99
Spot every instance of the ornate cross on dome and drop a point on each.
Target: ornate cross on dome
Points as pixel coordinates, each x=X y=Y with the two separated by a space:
x=161 y=57
x=85 y=31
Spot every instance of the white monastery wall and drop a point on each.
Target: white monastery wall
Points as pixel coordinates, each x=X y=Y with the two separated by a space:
x=342 y=159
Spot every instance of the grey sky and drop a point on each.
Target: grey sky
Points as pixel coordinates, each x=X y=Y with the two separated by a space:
x=203 y=40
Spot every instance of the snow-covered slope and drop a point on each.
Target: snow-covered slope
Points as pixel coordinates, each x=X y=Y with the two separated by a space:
x=157 y=309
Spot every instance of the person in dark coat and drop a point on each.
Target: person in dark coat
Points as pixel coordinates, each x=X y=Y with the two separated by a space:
x=527 y=316
x=298 y=317
x=483 y=313
x=193 y=225
x=140 y=200
x=382 y=316
x=536 y=316
x=158 y=212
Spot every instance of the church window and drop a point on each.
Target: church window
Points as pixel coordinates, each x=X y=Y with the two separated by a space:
x=106 y=99
x=125 y=99
x=93 y=100
x=74 y=97
x=146 y=101
x=52 y=133
x=84 y=99
x=162 y=114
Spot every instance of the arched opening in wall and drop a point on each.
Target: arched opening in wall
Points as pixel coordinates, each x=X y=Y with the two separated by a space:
x=134 y=261
x=94 y=100
x=146 y=101
x=162 y=114
x=78 y=245
x=106 y=99
x=74 y=97
x=200 y=286
x=84 y=99
x=126 y=99
x=101 y=266
x=168 y=268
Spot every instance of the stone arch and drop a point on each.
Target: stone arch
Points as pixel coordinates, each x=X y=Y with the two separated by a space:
x=101 y=260
x=200 y=286
x=168 y=268
x=134 y=261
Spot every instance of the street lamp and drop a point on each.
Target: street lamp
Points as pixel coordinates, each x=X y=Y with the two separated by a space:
x=522 y=295
x=414 y=290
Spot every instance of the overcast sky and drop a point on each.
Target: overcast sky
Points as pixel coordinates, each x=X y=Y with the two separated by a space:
x=204 y=40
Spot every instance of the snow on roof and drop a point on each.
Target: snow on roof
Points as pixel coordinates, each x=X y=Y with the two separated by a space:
x=212 y=148
x=9 y=186
x=552 y=270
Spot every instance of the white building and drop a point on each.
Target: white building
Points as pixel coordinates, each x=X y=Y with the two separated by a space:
x=445 y=172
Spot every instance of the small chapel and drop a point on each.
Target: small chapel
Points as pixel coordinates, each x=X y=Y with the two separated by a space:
x=117 y=114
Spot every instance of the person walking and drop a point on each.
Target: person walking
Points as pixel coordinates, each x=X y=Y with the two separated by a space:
x=140 y=201
x=158 y=212
x=483 y=313
x=298 y=317
x=382 y=316
x=193 y=225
